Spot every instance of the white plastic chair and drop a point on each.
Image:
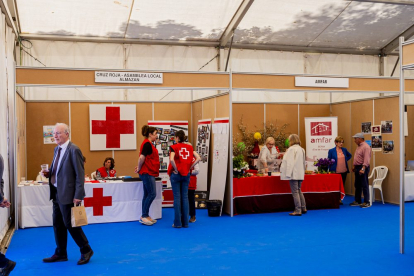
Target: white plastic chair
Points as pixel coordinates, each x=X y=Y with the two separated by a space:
x=93 y=175
x=379 y=174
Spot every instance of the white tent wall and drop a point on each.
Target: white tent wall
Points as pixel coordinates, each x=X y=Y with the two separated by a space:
x=7 y=93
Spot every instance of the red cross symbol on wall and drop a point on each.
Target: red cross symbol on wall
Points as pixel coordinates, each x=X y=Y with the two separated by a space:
x=184 y=153
x=113 y=127
x=98 y=201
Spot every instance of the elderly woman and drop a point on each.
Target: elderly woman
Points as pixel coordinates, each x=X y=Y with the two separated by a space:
x=293 y=169
x=341 y=156
x=107 y=170
x=267 y=156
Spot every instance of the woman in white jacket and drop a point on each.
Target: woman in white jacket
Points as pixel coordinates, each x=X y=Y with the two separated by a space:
x=293 y=169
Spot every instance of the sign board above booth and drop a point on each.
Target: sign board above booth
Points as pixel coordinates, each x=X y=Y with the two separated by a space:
x=128 y=77
x=322 y=82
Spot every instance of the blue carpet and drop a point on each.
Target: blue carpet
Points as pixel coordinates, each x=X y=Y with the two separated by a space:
x=346 y=241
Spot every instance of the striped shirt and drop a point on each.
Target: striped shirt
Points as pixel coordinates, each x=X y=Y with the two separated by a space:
x=362 y=155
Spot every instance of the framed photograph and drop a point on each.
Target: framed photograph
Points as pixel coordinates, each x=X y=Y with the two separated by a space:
x=388 y=147
x=163 y=166
x=159 y=130
x=376 y=130
x=366 y=128
x=164 y=146
x=157 y=141
x=206 y=150
x=386 y=127
x=203 y=151
x=172 y=132
x=167 y=131
x=163 y=137
x=165 y=153
x=376 y=143
x=171 y=138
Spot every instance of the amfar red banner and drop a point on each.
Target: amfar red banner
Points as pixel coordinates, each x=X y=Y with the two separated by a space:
x=320 y=138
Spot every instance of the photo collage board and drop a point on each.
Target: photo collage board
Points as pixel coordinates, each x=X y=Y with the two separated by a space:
x=202 y=147
x=165 y=139
x=378 y=142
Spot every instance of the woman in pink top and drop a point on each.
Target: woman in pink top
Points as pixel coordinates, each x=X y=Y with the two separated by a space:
x=341 y=156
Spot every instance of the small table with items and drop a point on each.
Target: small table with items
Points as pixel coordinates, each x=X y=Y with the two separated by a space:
x=271 y=194
x=105 y=201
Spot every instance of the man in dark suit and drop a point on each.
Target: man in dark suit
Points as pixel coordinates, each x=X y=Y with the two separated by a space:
x=6 y=265
x=66 y=181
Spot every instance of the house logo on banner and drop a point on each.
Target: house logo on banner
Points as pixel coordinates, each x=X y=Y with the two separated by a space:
x=112 y=127
x=321 y=128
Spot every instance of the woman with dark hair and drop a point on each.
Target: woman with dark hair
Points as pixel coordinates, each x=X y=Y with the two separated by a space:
x=148 y=168
x=181 y=163
x=107 y=170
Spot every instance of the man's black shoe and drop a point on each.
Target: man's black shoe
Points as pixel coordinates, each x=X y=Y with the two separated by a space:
x=4 y=271
x=85 y=258
x=365 y=205
x=55 y=258
x=354 y=204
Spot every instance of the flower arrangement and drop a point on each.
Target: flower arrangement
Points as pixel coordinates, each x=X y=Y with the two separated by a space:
x=239 y=165
x=250 y=137
x=323 y=164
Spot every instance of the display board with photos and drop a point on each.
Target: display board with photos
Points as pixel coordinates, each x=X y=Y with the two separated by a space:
x=202 y=147
x=166 y=138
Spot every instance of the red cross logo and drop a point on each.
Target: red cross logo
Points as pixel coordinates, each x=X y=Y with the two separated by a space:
x=98 y=201
x=113 y=127
x=185 y=154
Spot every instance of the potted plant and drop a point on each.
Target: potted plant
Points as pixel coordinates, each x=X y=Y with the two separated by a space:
x=239 y=165
x=323 y=164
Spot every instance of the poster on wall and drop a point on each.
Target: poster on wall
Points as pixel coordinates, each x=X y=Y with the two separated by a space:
x=386 y=127
x=48 y=135
x=366 y=128
x=165 y=139
x=112 y=127
x=202 y=147
x=376 y=143
x=320 y=138
x=220 y=158
x=369 y=143
x=388 y=147
x=376 y=130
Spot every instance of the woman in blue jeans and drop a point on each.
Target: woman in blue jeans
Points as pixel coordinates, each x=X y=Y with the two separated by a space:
x=148 y=168
x=181 y=162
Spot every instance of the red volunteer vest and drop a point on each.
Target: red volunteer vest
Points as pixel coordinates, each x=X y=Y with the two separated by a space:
x=102 y=171
x=151 y=165
x=183 y=158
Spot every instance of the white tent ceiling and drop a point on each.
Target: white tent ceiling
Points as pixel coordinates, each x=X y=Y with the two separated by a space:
x=353 y=26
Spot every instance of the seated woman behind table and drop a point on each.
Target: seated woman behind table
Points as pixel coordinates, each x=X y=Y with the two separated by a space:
x=267 y=156
x=107 y=170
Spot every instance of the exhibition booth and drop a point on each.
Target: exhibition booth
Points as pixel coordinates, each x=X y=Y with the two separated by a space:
x=224 y=104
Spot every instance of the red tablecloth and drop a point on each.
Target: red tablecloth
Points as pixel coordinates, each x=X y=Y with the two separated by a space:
x=270 y=194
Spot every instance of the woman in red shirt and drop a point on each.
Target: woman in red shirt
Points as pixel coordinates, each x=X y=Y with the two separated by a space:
x=181 y=162
x=148 y=168
x=107 y=170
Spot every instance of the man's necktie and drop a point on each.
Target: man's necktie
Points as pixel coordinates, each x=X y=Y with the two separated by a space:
x=55 y=165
